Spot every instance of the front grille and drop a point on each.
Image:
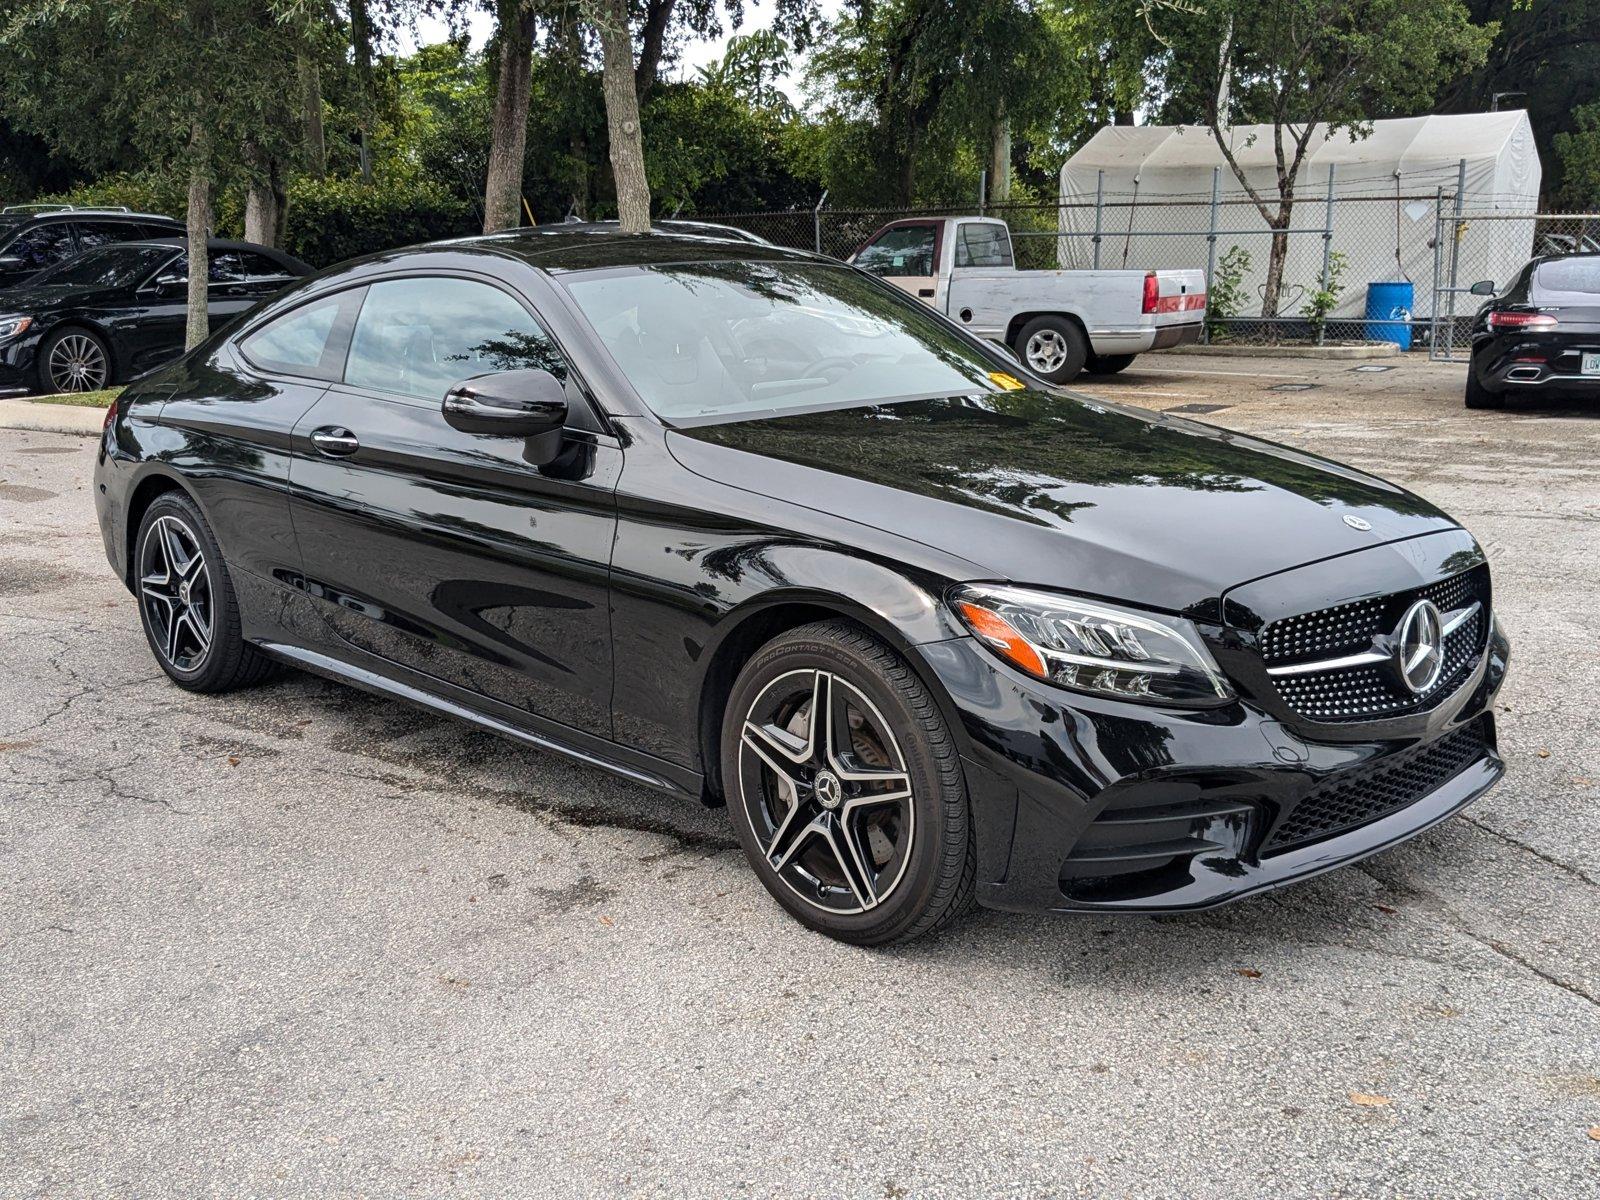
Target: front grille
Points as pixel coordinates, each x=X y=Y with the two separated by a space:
x=1376 y=791
x=1368 y=692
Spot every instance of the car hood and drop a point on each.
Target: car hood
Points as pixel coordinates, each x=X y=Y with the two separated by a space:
x=1064 y=492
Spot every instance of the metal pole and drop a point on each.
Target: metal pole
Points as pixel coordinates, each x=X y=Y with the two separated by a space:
x=983 y=191
x=1211 y=251
x=1327 y=254
x=1438 y=274
x=1099 y=213
x=816 y=222
x=1455 y=257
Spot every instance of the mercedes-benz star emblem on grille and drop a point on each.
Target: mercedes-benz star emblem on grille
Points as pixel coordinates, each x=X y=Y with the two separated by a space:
x=1356 y=522
x=1419 y=646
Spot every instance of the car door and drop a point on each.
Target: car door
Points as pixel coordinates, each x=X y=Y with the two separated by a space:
x=446 y=553
x=907 y=255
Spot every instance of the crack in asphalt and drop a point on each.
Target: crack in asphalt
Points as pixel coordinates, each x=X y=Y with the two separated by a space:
x=1576 y=872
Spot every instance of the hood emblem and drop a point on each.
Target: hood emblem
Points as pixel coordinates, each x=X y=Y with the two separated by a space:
x=1356 y=522
x=1419 y=646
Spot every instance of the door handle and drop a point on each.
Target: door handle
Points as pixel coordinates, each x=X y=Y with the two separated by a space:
x=335 y=441
x=925 y=293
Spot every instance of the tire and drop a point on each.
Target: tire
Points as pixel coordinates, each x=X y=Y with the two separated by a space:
x=1053 y=347
x=1479 y=396
x=848 y=854
x=74 y=360
x=187 y=604
x=1108 y=364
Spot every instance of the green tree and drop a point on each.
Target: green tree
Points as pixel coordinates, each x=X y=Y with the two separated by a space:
x=1305 y=67
x=1580 y=159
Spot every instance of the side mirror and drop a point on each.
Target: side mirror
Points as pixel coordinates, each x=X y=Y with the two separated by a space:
x=1484 y=287
x=524 y=404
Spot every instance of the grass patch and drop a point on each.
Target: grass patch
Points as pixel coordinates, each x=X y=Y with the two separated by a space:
x=98 y=399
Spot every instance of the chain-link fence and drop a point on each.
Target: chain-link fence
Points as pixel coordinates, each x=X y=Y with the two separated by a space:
x=1352 y=268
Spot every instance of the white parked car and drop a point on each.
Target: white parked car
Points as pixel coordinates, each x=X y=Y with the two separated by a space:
x=1057 y=322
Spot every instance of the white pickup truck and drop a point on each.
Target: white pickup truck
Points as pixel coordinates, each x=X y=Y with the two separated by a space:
x=1057 y=322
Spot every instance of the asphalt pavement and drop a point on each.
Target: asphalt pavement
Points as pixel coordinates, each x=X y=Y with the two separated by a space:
x=299 y=941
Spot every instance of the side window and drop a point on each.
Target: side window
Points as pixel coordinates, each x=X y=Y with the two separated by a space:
x=903 y=250
x=305 y=341
x=104 y=233
x=254 y=266
x=983 y=245
x=418 y=337
x=223 y=268
x=43 y=246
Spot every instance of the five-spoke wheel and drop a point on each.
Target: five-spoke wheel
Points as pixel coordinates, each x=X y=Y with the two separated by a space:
x=845 y=786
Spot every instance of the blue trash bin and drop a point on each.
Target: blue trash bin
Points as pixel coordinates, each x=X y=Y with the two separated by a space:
x=1389 y=313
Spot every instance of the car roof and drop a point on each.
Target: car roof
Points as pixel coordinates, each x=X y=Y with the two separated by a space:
x=596 y=245
x=21 y=214
x=223 y=246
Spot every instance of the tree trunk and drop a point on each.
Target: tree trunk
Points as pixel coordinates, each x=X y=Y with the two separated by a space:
x=311 y=107
x=1273 y=294
x=1000 y=159
x=622 y=117
x=260 y=198
x=652 y=37
x=361 y=40
x=508 y=138
x=198 y=327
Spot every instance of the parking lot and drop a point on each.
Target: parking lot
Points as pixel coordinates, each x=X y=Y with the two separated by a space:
x=301 y=941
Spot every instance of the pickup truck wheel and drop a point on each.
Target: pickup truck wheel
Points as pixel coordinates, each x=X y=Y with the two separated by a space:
x=1053 y=347
x=1108 y=364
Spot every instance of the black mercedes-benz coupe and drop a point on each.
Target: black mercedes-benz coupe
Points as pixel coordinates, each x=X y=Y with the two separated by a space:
x=1541 y=335
x=749 y=525
x=113 y=313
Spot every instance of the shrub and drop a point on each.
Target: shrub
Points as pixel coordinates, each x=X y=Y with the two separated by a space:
x=334 y=219
x=1325 y=299
x=1226 y=296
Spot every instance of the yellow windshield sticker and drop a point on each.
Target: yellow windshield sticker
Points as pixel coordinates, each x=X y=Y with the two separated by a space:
x=1009 y=383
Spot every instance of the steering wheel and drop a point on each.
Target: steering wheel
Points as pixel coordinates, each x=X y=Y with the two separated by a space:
x=838 y=363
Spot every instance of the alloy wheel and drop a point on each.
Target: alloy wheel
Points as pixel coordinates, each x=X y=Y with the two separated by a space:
x=827 y=791
x=175 y=590
x=1046 y=351
x=78 y=364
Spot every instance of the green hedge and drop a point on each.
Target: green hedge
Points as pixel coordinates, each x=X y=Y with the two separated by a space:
x=329 y=219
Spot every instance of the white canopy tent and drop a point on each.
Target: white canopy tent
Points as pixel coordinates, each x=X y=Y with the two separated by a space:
x=1156 y=181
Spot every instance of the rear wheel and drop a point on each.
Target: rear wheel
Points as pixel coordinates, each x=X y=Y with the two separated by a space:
x=1479 y=396
x=845 y=787
x=74 y=360
x=1108 y=364
x=187 y=603
x=1053 y=347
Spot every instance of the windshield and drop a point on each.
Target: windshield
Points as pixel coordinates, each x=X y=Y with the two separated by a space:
x=112 y=266
x=703 y=342
x=1568 y=281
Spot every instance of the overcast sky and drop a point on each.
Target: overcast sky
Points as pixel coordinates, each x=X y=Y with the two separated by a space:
x=757 y=15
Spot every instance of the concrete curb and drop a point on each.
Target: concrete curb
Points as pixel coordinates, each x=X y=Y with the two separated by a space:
x=51 y=418
x=1374 y=350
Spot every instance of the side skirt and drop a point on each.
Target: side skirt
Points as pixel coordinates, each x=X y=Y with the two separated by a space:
x=670 y=779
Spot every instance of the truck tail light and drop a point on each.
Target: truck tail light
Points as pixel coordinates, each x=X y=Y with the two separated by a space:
x=1152 y=293
x=1526 y=321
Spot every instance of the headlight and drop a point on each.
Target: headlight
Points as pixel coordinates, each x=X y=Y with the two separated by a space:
x=11 y=327
x=1093 y=647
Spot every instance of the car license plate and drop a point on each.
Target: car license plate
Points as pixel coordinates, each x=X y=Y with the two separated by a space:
x=1591 y=363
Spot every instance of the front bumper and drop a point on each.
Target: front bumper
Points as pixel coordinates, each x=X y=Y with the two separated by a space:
x=1082 y=804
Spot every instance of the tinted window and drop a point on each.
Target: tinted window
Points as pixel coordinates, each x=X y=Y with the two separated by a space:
x=417 y=337
x=304 y=341
x=43 y=246
x=110 y=266
x=906 y=250
x=104 y=233
x=983 y=246
x=708 y=340
x=1568 y=281
x=259 y=266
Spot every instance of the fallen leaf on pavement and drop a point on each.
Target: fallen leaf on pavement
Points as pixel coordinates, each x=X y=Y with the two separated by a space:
x=1247 y=972
x=1384 y=908
x=607 y=921
x=1594 y=1132
x=1544 y=753
x=1368 y=1100
x=233 y=760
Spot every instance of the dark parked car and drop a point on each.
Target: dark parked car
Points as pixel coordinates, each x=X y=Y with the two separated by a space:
x=748 y=524
x=1541 y=335
x=36 y=236
x=113 y=313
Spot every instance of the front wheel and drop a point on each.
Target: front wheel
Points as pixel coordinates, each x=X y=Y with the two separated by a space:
x=1053 y=347
x=74 y=360
x=845 y=787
